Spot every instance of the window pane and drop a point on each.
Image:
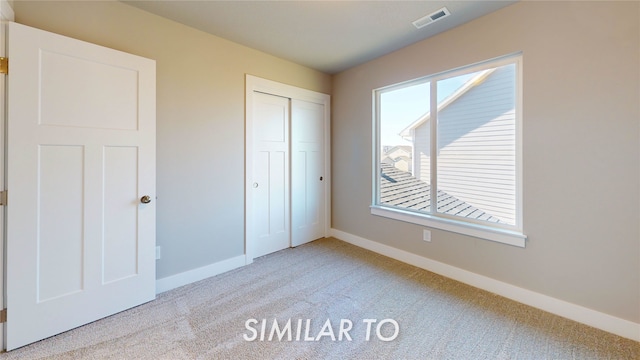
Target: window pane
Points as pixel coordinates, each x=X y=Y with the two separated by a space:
x=401 y=184
x=476 y=164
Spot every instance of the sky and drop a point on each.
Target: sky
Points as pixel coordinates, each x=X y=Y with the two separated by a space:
x=401 y=107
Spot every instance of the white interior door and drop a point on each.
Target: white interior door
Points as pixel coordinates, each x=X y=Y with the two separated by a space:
x=80 y=155
x=307 y=172
x=6 y=15
x=270 y=175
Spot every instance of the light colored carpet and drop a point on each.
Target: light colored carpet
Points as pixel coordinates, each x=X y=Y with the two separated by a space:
x=328 y=279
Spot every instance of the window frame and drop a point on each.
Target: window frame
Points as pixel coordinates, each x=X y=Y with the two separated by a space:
x=502 y=233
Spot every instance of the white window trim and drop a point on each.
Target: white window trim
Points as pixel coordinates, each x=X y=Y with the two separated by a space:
x=512 y=235
x=504 y=236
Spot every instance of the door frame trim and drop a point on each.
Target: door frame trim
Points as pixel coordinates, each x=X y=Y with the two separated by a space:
x=257 y=84
x=6 y=14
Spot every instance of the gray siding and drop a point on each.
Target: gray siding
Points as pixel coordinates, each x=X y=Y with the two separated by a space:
x=422 y=164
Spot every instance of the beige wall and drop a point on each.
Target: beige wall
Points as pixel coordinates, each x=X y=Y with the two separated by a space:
x=581 y=150
x=200 y=118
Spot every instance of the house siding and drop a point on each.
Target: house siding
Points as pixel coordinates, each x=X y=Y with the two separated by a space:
x=422 y=140
x=476 y=146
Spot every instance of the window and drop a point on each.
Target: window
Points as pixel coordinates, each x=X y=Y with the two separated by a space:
x=448 y=151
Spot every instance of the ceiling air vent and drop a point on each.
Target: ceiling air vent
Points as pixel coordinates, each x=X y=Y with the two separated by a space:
x=435 y=16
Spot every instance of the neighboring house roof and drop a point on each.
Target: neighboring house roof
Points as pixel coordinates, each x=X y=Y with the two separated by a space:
x=470 y=84
x=405 y=148
x=398 y=155
x=400 y=188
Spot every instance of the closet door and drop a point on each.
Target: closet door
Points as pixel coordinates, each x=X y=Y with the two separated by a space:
x=307 y=172
x=270 y=208
x=287 y=179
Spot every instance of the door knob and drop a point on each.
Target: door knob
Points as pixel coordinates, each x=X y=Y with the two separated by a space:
x=145 y=199
x=255 y=184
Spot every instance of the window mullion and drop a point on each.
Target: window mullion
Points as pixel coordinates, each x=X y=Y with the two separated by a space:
x=376 y=147
x=433 y=132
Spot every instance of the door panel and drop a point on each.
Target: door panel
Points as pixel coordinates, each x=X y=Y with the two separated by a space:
x=308 y=190
x=120 y=239
x=278 y=193
x=108 y=93
x=60 y=180
x=80 y=154
x=261 y=198
x=270 y=192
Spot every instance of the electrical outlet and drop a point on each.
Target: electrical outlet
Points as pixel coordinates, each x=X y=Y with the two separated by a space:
x=158 y=254
x=426 y=235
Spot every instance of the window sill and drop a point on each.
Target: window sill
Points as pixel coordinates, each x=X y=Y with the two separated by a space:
x=483 y=232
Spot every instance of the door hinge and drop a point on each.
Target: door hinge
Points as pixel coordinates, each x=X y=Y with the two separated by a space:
x=3 y=316
x=4 y=65
x=3 y=198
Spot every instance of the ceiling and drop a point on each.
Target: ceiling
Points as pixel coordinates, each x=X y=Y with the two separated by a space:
x=330 y=36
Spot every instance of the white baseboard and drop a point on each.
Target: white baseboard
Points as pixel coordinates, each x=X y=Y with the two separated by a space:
x=188 y=277
x=609 y=323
